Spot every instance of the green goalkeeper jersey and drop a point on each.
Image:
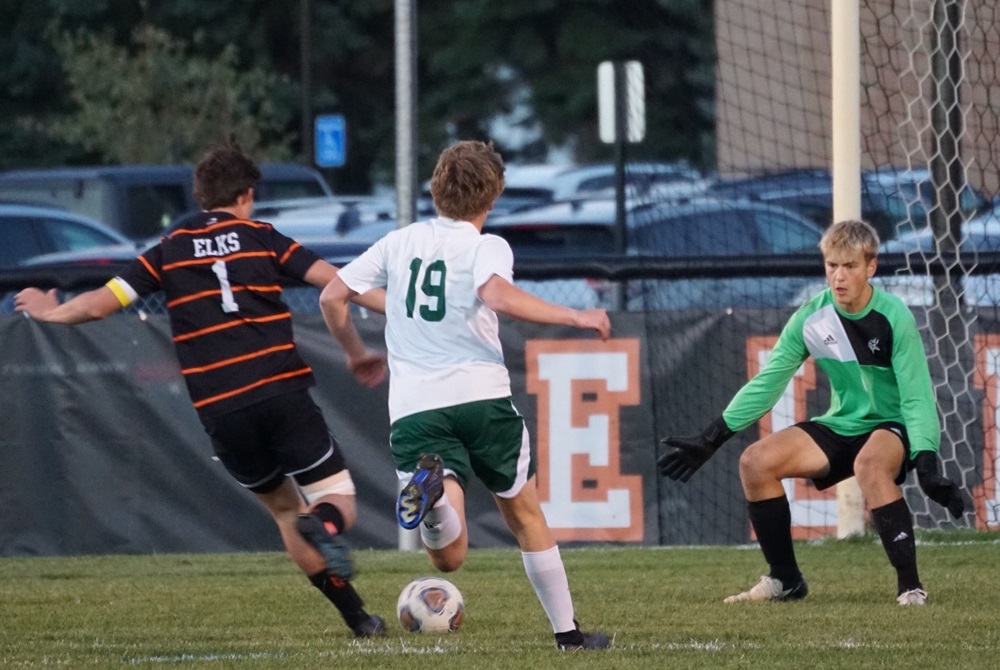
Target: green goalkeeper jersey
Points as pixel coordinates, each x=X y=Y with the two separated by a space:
x=875 y=362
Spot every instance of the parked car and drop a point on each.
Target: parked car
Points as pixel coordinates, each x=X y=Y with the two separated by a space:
x=28 y=231
x=300 y=298
x=534 y=185
x=140 y=201
x=335 y=215
x=893 y=200
x=980 y=235
x=639 y=177
x=696 y=229
x=332 y=248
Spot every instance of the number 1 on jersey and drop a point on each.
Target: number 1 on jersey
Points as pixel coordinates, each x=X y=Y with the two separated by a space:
x=222 y=274
x=432 y=286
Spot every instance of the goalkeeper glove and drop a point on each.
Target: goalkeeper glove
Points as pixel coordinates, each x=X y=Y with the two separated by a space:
x=940 y=489
x=690 y=453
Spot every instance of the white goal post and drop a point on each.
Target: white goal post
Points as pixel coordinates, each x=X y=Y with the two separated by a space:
x=845 y=70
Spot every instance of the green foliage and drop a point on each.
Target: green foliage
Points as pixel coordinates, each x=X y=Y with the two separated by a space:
x=31 y=78
x=483 y=58
x=154 y=81
x=158 y=103
x=663 y=607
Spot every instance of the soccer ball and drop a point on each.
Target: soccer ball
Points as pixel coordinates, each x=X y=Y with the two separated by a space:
x=430 y=605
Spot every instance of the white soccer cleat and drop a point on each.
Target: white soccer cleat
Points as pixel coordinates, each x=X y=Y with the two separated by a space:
x=912 y=597
x=769 y=588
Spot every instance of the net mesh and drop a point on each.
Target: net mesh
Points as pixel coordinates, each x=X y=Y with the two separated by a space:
x=929 y=120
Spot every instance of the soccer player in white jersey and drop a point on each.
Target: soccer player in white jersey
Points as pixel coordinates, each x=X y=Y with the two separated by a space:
x=449 y=390
x=882 y=419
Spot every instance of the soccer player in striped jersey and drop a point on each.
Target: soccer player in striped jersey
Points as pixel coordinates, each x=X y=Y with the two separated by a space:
x=232 y=332
x=881 y=423
x=449 y=390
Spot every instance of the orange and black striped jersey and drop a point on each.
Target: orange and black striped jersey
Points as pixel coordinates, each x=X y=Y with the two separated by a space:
x=232 y=331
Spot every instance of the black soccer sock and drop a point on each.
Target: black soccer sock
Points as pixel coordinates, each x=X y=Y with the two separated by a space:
x=772 y=521
x=329 y=514
x=343 y=596
x=895 y=528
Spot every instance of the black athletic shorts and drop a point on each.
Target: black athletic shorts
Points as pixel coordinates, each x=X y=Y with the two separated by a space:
x=282 y=436
x=841 y=450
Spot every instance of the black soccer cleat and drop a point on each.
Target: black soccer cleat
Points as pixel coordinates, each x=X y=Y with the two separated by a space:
x=371 y=626
x=577 y=640
x=425 y=488
x=335 y=552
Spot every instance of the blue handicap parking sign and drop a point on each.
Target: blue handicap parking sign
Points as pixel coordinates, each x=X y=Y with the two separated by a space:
x=331 y=140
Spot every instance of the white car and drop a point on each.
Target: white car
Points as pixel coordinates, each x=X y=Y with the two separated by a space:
x=334 y=215
x=537 y=184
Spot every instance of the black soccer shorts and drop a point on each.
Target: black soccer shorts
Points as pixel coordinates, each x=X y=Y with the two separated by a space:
x=282 y=436
x=841 y=450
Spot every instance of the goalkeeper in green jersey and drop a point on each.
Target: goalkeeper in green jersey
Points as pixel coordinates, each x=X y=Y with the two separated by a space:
x=882 y=419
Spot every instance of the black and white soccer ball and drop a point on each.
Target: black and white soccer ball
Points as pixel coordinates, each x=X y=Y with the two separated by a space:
x=430 y=605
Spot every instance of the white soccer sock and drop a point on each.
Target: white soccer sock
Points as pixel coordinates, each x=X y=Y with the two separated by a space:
x=548 y=576
x=441 y=525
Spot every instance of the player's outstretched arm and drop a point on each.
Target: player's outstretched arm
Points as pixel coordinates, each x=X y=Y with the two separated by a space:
x=334 y=301
x=690 y=453
x=504 y=298
x=89 y=306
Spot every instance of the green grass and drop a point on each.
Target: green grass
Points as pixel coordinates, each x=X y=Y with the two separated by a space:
x=662 y=605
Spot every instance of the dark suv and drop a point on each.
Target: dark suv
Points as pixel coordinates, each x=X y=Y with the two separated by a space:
x=695 y=229
x=140 y=201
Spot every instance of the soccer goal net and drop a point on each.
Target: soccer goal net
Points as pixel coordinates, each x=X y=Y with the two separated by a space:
x=929 y=149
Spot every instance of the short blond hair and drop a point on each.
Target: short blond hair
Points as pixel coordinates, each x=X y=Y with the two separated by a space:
x=467 y=179
x=850 y=235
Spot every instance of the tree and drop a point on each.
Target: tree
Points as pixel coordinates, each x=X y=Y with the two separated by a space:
x=33 y=85
x=478 y=57
x=159 y=103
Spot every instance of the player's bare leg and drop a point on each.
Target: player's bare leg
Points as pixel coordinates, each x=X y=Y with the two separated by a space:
x=285 y=503
x=763 y=465
x=544 y=567
x=287 y=506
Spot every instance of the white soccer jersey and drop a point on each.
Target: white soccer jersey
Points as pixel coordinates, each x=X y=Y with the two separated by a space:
x=443 y=341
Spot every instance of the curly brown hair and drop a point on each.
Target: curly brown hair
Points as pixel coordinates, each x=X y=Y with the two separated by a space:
x=223 y=175
x=467 y=179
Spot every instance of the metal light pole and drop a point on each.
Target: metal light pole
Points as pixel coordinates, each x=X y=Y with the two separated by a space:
x=406 y=111
x=305 y=53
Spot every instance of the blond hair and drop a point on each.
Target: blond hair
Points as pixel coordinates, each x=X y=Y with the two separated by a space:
x=850 y=235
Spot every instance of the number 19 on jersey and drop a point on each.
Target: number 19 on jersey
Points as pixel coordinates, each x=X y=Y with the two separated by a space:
x=431 y=281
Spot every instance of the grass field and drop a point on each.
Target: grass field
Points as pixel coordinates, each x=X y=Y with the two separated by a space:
x=663 y=607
